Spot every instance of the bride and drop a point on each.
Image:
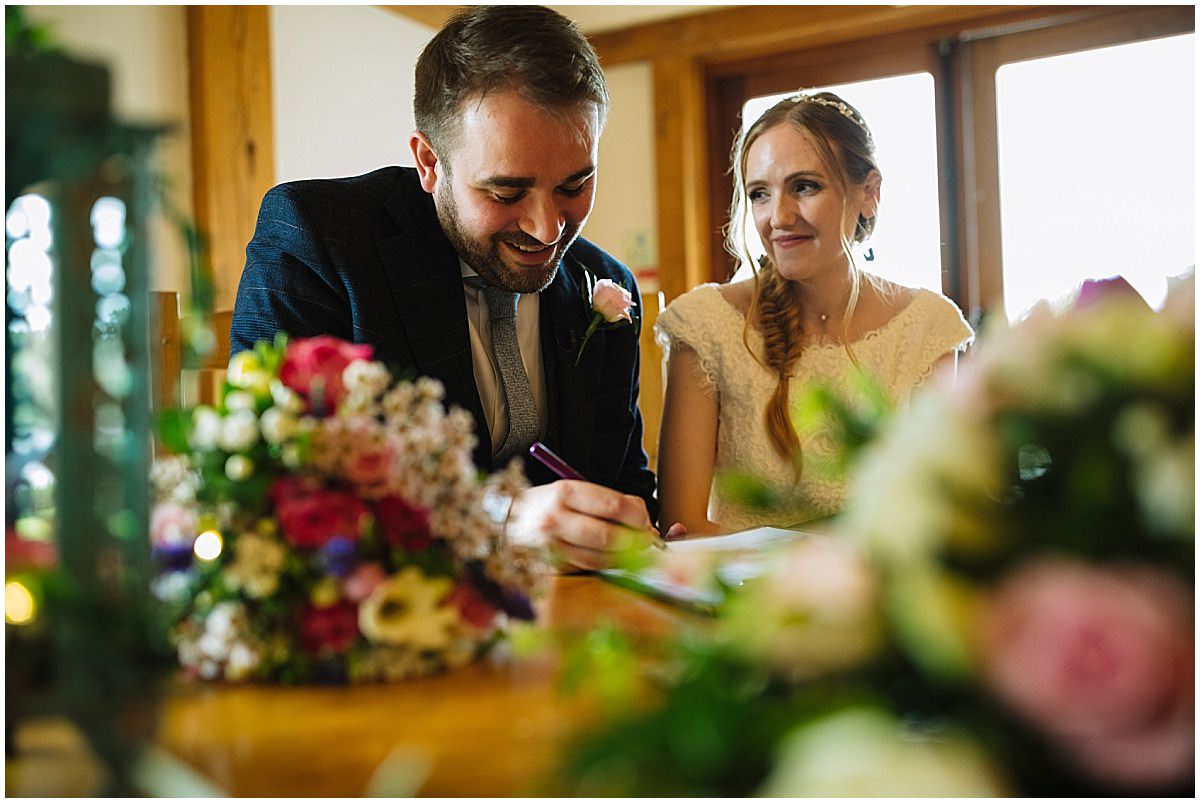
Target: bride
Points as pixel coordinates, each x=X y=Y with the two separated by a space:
x=738 y=353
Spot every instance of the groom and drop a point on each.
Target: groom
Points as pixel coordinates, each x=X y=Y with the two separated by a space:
x=469 y=269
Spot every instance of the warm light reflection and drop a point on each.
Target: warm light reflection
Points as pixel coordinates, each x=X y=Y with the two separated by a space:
x=208 y=545
x=20 y=608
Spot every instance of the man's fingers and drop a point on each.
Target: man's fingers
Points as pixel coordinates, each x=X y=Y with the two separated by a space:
x=574 y=557
x=604 y=503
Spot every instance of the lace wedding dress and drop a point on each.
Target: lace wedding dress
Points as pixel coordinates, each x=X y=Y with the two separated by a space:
x=899 y=355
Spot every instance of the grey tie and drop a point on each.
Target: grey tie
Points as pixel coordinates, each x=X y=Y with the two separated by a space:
x=523 y=422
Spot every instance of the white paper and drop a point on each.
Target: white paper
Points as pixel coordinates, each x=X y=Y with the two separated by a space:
x=755 y=539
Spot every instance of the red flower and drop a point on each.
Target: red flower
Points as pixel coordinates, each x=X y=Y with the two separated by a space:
x=313 y=368
x=334 y=628
x=402 y=525
x=473 y=609
x=310 y=521
x=293 y=487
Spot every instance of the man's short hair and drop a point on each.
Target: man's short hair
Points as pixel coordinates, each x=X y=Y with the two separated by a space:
x=537 y=52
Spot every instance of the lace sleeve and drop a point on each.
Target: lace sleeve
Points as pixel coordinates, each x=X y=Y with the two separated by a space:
x=933 y=328
x=691 y=320
x=942 y=330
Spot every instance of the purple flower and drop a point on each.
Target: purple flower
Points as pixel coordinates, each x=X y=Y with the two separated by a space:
x=1094 y=290
x=338 y=556
x=173 y=557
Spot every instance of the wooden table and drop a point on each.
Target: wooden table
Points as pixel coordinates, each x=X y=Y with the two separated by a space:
x=491 y=729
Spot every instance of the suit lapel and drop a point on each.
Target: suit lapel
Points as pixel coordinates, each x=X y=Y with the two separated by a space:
x=426 y=286
x=571 y=389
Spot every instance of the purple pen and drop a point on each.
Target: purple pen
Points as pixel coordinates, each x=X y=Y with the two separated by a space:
x=542 y=453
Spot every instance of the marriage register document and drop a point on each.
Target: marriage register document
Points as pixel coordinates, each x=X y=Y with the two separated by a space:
x=737 y=557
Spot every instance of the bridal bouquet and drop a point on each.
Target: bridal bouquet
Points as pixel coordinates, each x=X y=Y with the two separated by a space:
x=1006 y=606
x=322 y=523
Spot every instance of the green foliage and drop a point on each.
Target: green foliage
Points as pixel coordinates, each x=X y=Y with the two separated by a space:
x=25 y=38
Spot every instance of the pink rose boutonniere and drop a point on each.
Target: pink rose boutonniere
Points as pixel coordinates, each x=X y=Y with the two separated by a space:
x=610 y=304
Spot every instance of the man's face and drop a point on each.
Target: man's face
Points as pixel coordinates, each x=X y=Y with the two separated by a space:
x=516 y=188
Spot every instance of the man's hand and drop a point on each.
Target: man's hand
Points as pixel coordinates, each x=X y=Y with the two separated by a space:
x=584 y=524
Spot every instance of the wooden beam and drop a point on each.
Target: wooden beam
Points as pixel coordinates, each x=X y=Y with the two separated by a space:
x=680 y=149
x=750 y=31
x=233 y=136
x=430 y=16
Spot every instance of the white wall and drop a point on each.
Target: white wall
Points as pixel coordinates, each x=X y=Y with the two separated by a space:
x=145 y=49
x=342 y=80
x=624 y=220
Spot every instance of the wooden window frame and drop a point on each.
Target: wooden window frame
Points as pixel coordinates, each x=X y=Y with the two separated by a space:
x=980 y=54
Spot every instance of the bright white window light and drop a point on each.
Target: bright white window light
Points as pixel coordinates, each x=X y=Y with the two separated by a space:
x=1097 y=169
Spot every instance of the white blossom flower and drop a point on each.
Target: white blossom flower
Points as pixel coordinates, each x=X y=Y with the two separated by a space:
x=223 y=645
x=278 y=425
x=243 y=660
x=206 y=429
x=367 y=379
x=239 y=467
x=864 y=752
x=239 y=400
x=239 y=431
x=291 y=456
x=286 y=398
x=257 y=563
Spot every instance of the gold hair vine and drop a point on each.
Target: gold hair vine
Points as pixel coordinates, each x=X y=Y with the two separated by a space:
x=841 y=107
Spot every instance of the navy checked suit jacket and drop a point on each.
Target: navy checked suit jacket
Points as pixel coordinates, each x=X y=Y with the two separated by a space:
x=365 y=259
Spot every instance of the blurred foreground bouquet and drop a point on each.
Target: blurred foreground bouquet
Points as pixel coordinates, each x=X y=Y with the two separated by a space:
x=1006 y=606
x=322 y=523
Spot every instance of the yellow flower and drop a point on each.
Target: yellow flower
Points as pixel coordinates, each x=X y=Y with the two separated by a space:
x=406 y=610
x=246 y=372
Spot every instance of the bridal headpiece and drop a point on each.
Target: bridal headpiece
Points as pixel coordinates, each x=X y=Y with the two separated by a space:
x=840 y=106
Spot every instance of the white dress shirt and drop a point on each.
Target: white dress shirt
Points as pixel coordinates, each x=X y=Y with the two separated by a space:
x=487 y=376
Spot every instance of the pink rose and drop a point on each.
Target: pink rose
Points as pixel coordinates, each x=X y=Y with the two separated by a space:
x=612 y=301
x=472 y=608
x=308 y=522
x=313 y=368
x=403 y=525
x=369 y=462
x=1101 y=659
x=172 y=524
x=362 y=581
x=334 y=628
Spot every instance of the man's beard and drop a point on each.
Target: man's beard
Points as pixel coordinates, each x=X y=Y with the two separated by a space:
x=486 y=259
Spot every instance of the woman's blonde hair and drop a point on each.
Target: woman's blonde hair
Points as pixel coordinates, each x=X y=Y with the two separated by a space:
x=846 y=149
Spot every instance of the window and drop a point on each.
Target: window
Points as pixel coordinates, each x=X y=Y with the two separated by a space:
x=1097 y=166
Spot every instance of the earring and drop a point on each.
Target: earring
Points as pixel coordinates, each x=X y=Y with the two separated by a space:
x=870 y=255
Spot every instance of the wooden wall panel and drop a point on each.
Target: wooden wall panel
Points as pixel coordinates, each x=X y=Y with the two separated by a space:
x=680 y=136
x=233 y=137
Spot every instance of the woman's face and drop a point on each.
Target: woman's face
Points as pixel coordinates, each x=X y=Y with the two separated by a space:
x=797 y=206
